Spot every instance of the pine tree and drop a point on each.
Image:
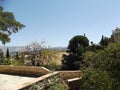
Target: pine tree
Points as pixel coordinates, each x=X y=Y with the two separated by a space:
x=8 y=25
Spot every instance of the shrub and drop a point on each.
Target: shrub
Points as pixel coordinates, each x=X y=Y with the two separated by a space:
x=102 y=69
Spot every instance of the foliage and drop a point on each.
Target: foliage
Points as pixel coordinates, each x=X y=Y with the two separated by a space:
x=7 y=53
x=35 y=51
x=104 y=41
x=39 y=55
x=14 y=62
x=77 y=41
x=94 y=47
x=101 y=69
x=58 y=86
x=97 y=80
x=8 y=25
x=1 y=56
x=52 y=83
x=77 y=45
x=17 y=62
x=17 y=56
x=6 y=61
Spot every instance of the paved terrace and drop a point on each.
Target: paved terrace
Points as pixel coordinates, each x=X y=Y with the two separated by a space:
x=39 y=74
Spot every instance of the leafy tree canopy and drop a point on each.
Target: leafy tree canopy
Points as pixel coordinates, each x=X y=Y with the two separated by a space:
x=77 y=45
x=77 y=41
x=8 y=25
x=104 y=41
x=102 y=69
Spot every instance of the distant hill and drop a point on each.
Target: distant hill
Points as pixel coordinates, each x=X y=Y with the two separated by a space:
x=59 y=48
x=12 y=48
x=22 y=48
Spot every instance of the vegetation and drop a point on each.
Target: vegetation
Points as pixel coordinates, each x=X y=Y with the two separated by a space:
x=77 y=42
x=48 y=57
x=100 y=63
x=8 y=25
x=37 y=54
x=7 y=53
x=54 y=82
x=104 y=41
x=77 y=45
x=1 y=56
x=101 y=69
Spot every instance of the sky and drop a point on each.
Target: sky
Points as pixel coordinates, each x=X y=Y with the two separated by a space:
x=57 y=21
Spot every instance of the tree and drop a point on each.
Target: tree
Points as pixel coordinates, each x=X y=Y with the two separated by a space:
x=104 y=41
x=102 y=69
x=17 y=56
x=77 y=45
x=77 y=41
x=8 y=25
x=1 y=56
x=35 y=50
x=94 y=47
x=7 y=53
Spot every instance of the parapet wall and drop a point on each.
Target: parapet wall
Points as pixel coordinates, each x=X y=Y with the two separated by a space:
x=24 y=70
x=43 y=75
x=72 y=78
x=41 y=82
x=70 y=74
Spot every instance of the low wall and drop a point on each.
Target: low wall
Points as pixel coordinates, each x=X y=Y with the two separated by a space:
x=70 y=74
x=44 y=74
x=72 y=78
x=24 y=70
x=74 y=84
x=50 y=79
x=40 y=83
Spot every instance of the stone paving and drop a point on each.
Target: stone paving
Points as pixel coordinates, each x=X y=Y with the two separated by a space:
x=9 y=81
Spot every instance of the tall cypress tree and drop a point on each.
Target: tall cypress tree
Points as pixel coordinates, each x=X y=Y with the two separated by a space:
x=7 y=53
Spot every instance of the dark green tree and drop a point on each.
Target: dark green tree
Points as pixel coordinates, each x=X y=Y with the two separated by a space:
x=7 y=53
x=8 y=25
x=104 y=41
x=1 y=56
x=94 y=47
x=77 y=41
x=77 y=45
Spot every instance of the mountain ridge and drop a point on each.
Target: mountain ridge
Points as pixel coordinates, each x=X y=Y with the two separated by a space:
x=22 y=48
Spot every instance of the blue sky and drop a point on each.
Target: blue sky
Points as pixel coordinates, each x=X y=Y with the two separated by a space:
x=57 y=21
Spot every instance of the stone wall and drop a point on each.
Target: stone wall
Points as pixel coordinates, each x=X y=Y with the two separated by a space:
x=42 y=83
x=24 y=70
x=72 y=79
x=70 y=74
x=46 y=77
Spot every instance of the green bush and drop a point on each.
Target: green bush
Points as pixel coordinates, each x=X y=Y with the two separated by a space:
x=102 y=69
x=13 y=62
x=17 y=62
x=57 y=86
